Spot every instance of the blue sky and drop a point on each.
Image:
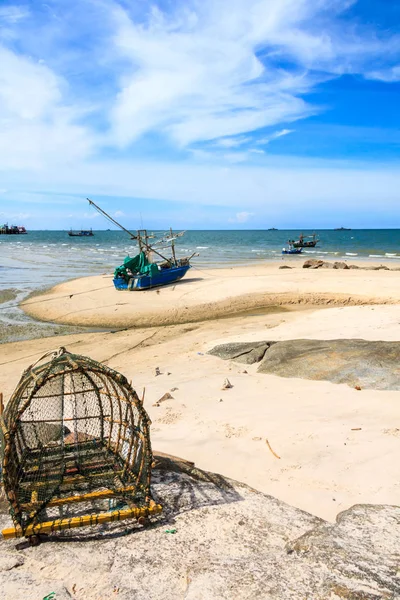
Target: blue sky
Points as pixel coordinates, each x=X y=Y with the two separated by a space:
x=200 y=114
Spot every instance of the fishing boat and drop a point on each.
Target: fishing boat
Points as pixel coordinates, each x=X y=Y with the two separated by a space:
x=291 y=250
x=81 y=233
x=303 y=243
x=12 y=230
x=342 y=229
x=141 y=272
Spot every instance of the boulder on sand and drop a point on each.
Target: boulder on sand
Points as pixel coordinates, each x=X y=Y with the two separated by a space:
x=364 y=363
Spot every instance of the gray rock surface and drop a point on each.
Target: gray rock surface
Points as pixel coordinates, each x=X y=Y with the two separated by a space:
x=364 y=363
x=231 y=542
x=314 y=263
x=246 y=352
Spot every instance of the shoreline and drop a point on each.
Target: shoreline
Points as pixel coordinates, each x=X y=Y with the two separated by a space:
x=214 y=294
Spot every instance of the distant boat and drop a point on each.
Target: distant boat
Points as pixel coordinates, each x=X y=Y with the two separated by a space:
x=81 y=233
x=302 y=243
x=12 y=230
x=272 y=229
x=342 y=229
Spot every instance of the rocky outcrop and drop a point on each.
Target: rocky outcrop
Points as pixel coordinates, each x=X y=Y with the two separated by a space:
x=314 y=263
x=362 y=363
x=216 y=539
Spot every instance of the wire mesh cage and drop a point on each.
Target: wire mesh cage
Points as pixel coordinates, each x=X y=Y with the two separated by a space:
x=75 y=447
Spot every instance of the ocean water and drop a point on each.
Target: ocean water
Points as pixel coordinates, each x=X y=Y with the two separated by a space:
x=41 y=259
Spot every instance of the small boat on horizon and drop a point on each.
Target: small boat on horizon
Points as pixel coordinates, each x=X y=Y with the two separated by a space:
x=81 y=233
x=342 y=229
x=272 y=229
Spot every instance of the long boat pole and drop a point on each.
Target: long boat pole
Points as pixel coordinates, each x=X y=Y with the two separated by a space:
x=134 y=237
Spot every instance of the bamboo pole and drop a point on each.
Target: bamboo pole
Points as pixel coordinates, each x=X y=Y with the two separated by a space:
x=87 y=520
x=81 y=497
x=1 y=404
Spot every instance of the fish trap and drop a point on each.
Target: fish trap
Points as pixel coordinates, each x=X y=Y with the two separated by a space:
x=75 y=448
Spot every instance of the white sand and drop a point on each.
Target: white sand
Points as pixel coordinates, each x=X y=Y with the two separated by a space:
x=324 y=465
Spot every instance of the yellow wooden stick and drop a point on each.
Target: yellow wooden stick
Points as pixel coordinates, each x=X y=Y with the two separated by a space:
x=60 y=524
x=81 y=498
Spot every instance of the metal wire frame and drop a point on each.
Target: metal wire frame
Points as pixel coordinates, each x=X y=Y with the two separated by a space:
x=46 y=466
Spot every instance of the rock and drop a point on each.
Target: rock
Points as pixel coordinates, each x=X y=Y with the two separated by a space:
x=285 y=267
x=157 y=371
x=227 y=385
x=230 y=542
x=340 y=265
x=327 y=265
x=364 y=363
x=354 y=267
x=246 y=352
x=313 y=263
x=10 y=561
x=368 y=364
x=166 y=396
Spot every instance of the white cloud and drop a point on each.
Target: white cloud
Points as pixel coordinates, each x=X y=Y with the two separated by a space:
x=12 y=14
x=211 y=72
x=388 y=75
x=241 y=217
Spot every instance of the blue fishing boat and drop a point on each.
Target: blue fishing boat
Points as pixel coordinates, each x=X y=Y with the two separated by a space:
x=292 y=250
x=140 y=281
x=141 y=272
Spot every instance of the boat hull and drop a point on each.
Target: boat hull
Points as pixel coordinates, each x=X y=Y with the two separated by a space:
x=145 y=282
x=305 y=244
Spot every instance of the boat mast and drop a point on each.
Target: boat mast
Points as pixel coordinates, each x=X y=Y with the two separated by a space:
x=172 y=245
x=133 y=237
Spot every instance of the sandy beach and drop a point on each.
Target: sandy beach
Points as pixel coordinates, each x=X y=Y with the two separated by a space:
x=336 y=445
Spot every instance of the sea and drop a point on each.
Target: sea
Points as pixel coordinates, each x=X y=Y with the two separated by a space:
x=39 y=260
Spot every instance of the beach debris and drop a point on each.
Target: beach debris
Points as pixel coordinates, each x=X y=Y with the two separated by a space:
x=168 y=373
x=200 y=353
x=227 y=385
x=357 y=387
x=220 y=400
x=167 y=396
x=170 y=530
x=256 y=439
x=245 y=372
x=50 y=596
x=157 y=371
x=356 y=428
x=269 y=446
x=174 y=389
